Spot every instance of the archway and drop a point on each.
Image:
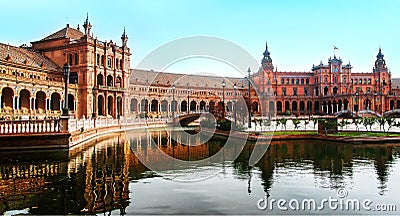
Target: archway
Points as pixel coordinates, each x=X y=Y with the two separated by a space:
x=183 y=106
x=144 y=105
x=110 y=104
x=294 y=106
x=329 y=107
x=100 y=105
x=55 y=101
x=154 y=106
x=133 y=106
x=346 y=104
x=340 y=105
x=202 y=106
x=40 y=103
x=164 y=106
x=335 y=90
x=309 y=107
x=316 y=106
x=255 y=106
x=71 y=102
x=302 y=106
x=24 y=97
x=100 y=79
x=367 y=104
x=119 y=107
x=7 y=95
x=193 y=105
x=287 y=106
x=109 y=80
x=279 y=106
x=334 y=107
x=398 y=104
x=326 y=91
x=391 y=104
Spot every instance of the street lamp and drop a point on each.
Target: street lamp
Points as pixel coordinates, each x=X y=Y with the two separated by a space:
x=234 y=103
x=249 y=120
x=188 y=103
x=223 y=98
x=358 y=102
x=94 y=90
x=173 y=101
x=67 y=70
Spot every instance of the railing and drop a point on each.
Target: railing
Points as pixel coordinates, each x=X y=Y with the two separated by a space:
x=112 y=88
x=29 y=127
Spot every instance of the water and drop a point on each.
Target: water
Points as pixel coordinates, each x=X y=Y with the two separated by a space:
x=107 y=177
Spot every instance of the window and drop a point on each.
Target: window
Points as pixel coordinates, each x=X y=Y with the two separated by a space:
x=297 y=81
x=335 y=79
x=351 y=81
x=292 y=81
x=302 y=81
x=360 y=81
x=369 y=81
x=102 y=60
x=365 y=81
x=294 y=91
x=116 y=63
x=120 y=63
x=76 y=59
x=70 y=59
x=98 y=59
x=284 y=91
x=109 y=62
x=344 y=80
x=368 y=89
x=305 y=91
x=326 y=79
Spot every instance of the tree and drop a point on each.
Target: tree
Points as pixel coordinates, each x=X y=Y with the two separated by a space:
x=315 y=121
x=357 y=121
x=305 y=124
x=283 y=122
x=391 y=122
x=267 y=123
x=296 y=123
x=381 y=122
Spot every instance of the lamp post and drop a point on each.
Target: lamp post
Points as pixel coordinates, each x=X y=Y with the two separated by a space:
x=249 y=120
x=223 y=98
x=67 y=70
x=173 y=101
x=94 y=113
x=188 y=103
x=234 y=103
x=358 y=102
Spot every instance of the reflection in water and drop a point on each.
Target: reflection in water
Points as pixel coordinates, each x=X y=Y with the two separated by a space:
x=107 y=176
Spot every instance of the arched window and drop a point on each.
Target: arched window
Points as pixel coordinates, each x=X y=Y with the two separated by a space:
x=76 y=58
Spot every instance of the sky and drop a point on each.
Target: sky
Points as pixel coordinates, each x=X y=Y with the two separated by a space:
x=299 y=33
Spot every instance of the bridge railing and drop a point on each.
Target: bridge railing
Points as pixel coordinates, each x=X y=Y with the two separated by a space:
x=29 y=127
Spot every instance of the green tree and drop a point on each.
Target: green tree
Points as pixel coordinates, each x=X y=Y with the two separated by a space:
x=267 y=123
x=296 y=123
x=283 y=122
x=357 y=121
x=382 y=121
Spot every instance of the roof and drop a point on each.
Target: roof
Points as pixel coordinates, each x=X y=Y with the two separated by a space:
x=66 y=32
x=24 y=56
x=183 y=80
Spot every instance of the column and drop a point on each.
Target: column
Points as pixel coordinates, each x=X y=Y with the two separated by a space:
x=45 y=106
x=327 y=109
x=1 y=103
x=60 y=105
x=34 y=103
x=30 y=103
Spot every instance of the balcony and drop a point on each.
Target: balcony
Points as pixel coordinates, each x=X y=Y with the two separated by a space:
x=111 y=88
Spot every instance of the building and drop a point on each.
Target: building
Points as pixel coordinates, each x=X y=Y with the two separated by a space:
x=32 y=77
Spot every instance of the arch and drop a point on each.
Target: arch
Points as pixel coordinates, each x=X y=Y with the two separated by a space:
x=202 y=106
x=71 y=102
x=40 y=102
x=340 y=105
x=174 y=105
x=118 y=82
x=329 y=107
x=184 y=106
x=164 y=106
x=24 y=99
x=335 y=90
x=55 y=101
x=326 y=91
x=316 y=106
x=279 y=106
x=110 y=80
x=100 y=105
x=110 y=105
x=100 y=79
x=287 y=106
x=271 y=108
x=229 y=106
x=309 y=106
x=294 y=106
x=391 y=104
x=119 y=106
x=193 y=105
x=7 y=95
x=345 y=104
x=133 y=105
x=255 y=106
x=154 y=106
x=144 y=105
x=367 y=104
x=302 y=106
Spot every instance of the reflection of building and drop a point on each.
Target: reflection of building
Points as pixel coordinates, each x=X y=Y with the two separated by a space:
x=32 y=77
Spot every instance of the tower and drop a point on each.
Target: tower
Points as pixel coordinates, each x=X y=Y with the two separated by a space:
x=124 y=39
x=87 y=26
x=381 y=74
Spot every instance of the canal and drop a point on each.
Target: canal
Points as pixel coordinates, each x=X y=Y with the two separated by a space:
x=117 y=176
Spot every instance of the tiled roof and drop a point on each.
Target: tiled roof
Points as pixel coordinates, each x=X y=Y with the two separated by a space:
x=395 y=83
x=183 y=80
x=26 y=57
x=66 y=32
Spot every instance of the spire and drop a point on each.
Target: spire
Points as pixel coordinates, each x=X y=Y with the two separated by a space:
x=86 y=25
x=124 y=38
x=380 y=62
x=266 y=61
x=380 y=55
x=266 y=52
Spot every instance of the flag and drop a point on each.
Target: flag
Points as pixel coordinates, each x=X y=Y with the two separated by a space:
x=335 y=48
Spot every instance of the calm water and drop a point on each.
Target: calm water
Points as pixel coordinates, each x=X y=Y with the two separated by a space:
x=108 y=177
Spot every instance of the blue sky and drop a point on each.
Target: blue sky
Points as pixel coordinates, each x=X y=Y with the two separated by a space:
x=299 y=33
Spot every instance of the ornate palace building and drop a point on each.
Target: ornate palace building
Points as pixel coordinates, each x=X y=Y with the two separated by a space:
x=327 y=89
x=102 y=84
x=32 y=77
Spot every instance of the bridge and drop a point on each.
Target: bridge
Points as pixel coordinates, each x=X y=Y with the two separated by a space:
x=349 y=113
x=187 y=118
x=392 y=113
